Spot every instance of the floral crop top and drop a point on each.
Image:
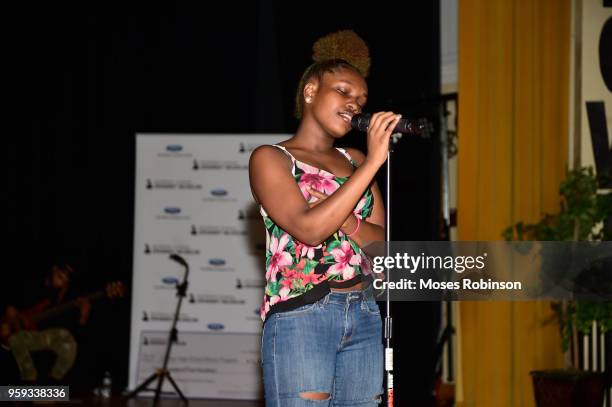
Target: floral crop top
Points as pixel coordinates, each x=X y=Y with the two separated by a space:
x=298 y=274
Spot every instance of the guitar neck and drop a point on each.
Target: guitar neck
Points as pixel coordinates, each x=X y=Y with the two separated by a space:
x=59 y=309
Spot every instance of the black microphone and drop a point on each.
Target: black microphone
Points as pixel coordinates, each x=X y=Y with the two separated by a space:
x=179 y=259
x=361 y=122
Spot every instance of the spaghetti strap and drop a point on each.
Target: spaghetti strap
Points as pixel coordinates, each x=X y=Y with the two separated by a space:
x=347 y=155
x=293 y=160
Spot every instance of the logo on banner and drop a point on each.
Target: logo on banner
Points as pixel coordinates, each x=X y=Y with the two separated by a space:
x=170 y=249
x=216 y=326
x=173 y=213
x=218 y=165
x=217 y=264
x=167 y=283
x=207 y=165
x=217 y=230
x=165 y=316
x=218 y=192
x=172 y=184
x=226 y=299
x=219 y=195
x=247 y=147
x=170 y=280
x=236 y=166
x=204 y=298
x=240 y=284
x=175 y=151
x=174 y=148
x=161 y=341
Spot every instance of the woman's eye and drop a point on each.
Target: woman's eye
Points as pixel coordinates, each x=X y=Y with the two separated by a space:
x=342 y=91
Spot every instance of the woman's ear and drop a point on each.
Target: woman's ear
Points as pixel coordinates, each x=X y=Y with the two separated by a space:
x=310 y=91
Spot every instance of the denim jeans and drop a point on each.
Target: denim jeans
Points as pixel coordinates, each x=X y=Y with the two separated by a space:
x=333 y=346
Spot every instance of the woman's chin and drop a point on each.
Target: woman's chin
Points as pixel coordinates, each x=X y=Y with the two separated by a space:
x=339 y=131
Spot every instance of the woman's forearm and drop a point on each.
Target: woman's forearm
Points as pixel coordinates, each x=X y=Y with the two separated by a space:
x=326 y=218
x=366 y=233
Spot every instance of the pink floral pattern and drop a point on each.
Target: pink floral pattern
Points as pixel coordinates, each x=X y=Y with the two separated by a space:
x=316 y=179
x=345 y=258
x=292 y=267
x=279 y=257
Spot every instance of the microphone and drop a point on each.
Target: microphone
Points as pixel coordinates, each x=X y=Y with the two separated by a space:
x=179 y=259
x=361 y=122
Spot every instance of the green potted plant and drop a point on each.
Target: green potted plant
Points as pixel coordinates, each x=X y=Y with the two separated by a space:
x=582 y=212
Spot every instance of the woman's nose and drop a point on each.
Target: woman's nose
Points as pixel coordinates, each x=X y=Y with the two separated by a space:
x=353 y=107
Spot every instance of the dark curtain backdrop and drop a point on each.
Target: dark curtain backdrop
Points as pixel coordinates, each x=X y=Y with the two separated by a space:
x=81 y=82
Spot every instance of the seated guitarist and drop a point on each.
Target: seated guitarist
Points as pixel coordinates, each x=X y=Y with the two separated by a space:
x=25 y=332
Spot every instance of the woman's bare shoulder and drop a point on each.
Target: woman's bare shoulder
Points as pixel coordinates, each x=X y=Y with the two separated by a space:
x=266 y=156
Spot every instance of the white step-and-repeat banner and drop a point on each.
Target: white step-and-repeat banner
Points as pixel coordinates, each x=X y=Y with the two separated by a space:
x=193 y=199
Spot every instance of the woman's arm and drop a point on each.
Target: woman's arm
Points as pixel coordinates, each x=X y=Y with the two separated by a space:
x=274 y=187
x=365 y=231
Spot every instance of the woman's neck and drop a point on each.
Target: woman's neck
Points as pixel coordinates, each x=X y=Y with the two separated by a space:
x=310 y=136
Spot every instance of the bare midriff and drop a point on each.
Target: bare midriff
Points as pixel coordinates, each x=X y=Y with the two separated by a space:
x=357 y=287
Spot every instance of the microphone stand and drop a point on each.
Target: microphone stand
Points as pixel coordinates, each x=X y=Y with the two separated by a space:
x=163 y=372
x=388 y=319
x=424 y=128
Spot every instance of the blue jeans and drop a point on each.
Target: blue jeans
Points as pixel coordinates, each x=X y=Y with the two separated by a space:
x=333 y=346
